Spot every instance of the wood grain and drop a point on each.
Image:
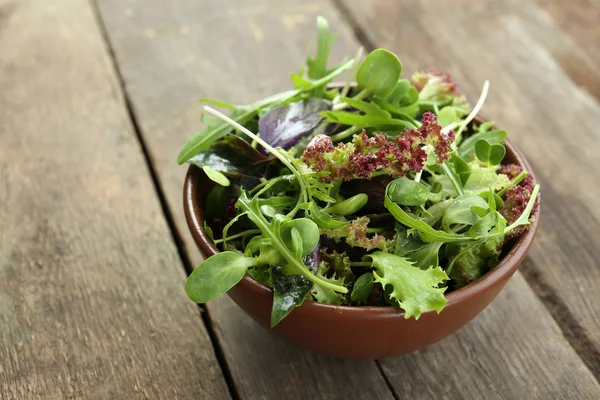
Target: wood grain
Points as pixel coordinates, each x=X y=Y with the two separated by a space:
x=91 y=286
x=552 y=119
x=528 y=358
x=171 y=55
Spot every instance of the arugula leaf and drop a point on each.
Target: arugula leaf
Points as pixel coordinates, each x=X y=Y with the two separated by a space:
x=416 y=290
x=317 y=67
x=368 y=108
x=289 y=292
x=216 y=275
x=323 y=219
x=364 y=121
x=407 y=113
x=271 y=231
x=203 y=140
x=427 y=233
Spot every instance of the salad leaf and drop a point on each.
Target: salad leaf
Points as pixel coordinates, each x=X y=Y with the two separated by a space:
x=216 y=176
x=407 y=192
x=363 y=121
x=474 y=260
x=349 y=206
x=403 y=95
x=216 y=275
x=466 y=150
x=323 y=219
x=368 y=108
x=270 y=231
x=317 y=67
x=284 y=126
x=427 y=233
x=202 y=140
x=447 y=116
x=491 y=154
x=325 y=294
x=426 y=256
x=459 y=210
x=416 y=290
x=289 y=292
x=362 y=288
x=308 y=231
x=379 y=72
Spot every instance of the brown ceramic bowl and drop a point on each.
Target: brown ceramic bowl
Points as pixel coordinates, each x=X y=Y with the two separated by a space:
x=365 y=332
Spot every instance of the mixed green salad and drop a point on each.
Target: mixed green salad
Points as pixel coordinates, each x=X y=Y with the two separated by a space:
x=379 y=191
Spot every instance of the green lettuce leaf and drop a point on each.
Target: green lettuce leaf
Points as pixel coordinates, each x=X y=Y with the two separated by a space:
x=325 y=294
x=415 y=289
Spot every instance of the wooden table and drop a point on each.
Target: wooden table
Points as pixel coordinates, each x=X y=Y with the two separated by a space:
x=96 y=98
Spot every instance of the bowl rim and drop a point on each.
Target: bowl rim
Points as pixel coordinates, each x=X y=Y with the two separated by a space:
x=196 y=182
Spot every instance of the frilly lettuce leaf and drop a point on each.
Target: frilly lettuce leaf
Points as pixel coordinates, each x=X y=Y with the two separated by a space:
x=415 y=289
x=325 y=294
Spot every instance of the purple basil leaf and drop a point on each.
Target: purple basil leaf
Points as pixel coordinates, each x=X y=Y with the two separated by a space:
x=284 y=126
x=233 y=157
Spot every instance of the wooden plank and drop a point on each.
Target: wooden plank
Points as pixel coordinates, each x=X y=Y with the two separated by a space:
x=150 y=43
x=574 y=43
x=173 y=53
x=461 y=367
x=554 y=121
x=91 y=285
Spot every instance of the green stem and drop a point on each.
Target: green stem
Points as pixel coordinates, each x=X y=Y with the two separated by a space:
x=513 y=183
x=239 y=235
x=452 y=178
x=474 y=112
x=375 y=230
x=276 y=242
x=345 y=133
x=524 y=218
x=352 y=73
x=265 y=182
x=359 y=96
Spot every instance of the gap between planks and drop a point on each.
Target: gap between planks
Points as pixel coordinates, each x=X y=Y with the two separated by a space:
x=570 y=328
x=175 y=234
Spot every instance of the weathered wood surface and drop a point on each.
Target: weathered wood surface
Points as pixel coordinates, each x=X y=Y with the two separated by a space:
x=91 y=286
x=172 y=54
x=532 y=57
